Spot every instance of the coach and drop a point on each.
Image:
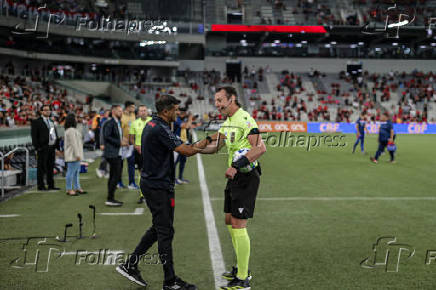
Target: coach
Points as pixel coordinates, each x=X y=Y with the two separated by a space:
x=45 y=140
x=157 y=185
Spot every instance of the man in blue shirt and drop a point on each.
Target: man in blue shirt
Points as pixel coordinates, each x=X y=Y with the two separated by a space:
x=386 y=135
x=360 y=132
x=180 y=129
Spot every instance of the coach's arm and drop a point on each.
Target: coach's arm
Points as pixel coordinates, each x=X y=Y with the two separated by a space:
x=216 y=142
x=189 y=150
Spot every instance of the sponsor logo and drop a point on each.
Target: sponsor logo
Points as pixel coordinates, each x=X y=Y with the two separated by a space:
x=299 y=127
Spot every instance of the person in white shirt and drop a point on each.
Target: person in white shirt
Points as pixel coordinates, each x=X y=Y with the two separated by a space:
x=73 y=154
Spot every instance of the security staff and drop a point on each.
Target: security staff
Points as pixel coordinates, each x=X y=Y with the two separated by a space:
x=45 y=140
x=113 y=141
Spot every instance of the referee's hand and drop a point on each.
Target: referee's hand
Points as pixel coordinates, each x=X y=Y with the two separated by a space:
x=231 y=172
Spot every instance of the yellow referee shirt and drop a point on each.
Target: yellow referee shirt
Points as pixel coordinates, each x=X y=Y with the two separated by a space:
x=136 y=128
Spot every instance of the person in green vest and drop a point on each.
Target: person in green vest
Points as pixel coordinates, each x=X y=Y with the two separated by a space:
x=135 y=134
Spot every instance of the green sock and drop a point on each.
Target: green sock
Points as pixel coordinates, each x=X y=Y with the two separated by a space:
x=243 y=251
x=229 y=227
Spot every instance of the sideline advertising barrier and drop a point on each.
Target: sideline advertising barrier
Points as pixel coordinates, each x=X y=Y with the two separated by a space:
x=332 y=127
x=373 y=128
x=273 y=126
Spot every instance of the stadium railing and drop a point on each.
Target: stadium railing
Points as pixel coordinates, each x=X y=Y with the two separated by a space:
x=3 y=156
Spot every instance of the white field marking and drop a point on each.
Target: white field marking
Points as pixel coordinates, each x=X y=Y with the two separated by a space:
x=138 y=211
x=8 y=215
x=341 y=198
x=43 y=191
x=216 y=255
x=109 y=256
x=81 y=178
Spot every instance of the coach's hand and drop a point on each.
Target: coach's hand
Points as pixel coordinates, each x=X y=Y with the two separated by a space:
x=230 y=172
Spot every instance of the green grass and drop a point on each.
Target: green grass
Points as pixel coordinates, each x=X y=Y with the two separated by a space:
x=296 y=244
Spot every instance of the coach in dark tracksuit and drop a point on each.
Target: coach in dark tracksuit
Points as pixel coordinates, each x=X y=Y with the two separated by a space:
x=386 y=135
x=158 y=144
x=45 y=140
x=113 y=141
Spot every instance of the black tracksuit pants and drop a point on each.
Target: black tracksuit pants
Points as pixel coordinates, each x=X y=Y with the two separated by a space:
x=161 y=205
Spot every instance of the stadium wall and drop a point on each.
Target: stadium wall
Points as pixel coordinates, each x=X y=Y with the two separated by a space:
x=117 y=95
x=327 y=65
x=193 y=65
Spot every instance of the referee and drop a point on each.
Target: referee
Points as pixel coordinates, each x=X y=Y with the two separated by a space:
x=135 y=134
x=239 y=131
x=158 y=144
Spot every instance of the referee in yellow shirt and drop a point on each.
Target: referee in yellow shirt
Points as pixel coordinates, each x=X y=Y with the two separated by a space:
x=135 y=134
x=126 y=122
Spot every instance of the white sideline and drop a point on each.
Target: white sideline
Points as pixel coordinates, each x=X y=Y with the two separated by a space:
x=138 y=211
x=216 y=255
x=341 y=198
x=8 y=215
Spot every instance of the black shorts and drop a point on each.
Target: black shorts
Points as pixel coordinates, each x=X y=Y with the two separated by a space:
x=240 y=194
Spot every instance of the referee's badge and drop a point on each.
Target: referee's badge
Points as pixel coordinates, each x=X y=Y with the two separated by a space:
x=232 y=137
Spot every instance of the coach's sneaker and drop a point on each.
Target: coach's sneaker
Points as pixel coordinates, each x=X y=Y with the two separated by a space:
x=237 y=284
x=373 y=160
x=229 y=276
x=131 y=273
x=178 y=284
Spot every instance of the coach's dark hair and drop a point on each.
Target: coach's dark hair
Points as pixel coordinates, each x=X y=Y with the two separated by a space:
x=166 y=102
x=114 y=107
x=230 y=91
x=70 y=121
